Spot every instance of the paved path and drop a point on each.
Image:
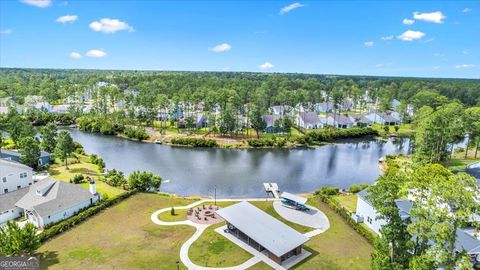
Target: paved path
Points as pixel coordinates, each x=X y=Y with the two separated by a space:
x=313 y=218
x=257 y=256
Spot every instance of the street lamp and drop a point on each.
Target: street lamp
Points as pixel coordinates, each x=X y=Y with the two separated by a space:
x=215 y=196
x=178 y=264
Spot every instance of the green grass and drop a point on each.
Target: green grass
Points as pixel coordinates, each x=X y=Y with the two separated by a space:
x=121 y=237
x=268 y=208
x=347 y=201
x=260 y=266
x=459 y=162
x=405 y=130
x=83 y=166
x=340 y=247
x=214 y=250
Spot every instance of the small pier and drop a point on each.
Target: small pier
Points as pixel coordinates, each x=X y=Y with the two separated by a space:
x=272 y=188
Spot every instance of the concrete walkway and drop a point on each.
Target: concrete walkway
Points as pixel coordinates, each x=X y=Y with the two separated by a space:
x=313 y=218
x=320 y=226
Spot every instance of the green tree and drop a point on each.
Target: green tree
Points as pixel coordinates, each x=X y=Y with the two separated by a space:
x=65 y=146
x=257 y=122
x=144 y=181
x=49 y=137
x=472 y=127
x=30 y=151
x=16 y=241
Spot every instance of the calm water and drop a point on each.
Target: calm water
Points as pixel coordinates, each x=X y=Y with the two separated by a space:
x=241 y=172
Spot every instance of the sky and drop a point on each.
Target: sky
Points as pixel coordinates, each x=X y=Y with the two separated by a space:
x=386 y=38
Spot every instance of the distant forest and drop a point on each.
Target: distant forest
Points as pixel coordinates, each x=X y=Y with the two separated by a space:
x=263 y=89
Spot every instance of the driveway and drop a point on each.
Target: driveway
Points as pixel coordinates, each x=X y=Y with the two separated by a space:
x=313 y=218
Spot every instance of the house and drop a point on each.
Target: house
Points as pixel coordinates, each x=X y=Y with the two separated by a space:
x=44 y=159
x=270 y=122
x=309 y=120
x=262 y=231
x=323 y=107
x=394 y=104
x=60 y=109
x=467 y=239
x=14 y=175
x=339 y=121
x=360 y=120
x=37 y=102
x=281 y=110
x=201 y=121
x=346 y=104
x=382 y=118
x=131 y=92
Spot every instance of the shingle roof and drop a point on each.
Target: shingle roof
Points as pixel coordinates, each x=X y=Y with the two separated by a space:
x=9 y=162
x=17 y=154
x=57 y=196
x=266 y=230
x=309 y=118
x=359 y=118
x=8 y=200
x=270 y=119
x=340 y=119
x=293 y=197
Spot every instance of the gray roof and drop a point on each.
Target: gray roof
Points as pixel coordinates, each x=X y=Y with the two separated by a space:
x=13 y=162
x=340 y=119
x=8 y=200
x=388 y=117
x=17 y=154
x=309 y=118
x=266 y=230
x=270 y=119
x=54 y=197
x=293 y=197
x=359 y=118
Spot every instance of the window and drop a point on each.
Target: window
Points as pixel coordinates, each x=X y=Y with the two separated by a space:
x=4 y=179
x=18 y=187
x=5 y=190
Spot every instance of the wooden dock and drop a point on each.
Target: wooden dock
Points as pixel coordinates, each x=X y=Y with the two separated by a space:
x=273 y=189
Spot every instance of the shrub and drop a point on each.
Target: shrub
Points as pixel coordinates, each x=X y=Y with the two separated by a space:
x=114 y=178
x=136 y=134
x=94 y=159
x=172 y=211
x=77 y=179
x=195 y=142
x=326 y=191
x=144 y=181
x=357 y=188
x=261 y=142
x=323 y=135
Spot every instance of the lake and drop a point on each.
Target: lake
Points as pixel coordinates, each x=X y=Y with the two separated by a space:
x=242 y=172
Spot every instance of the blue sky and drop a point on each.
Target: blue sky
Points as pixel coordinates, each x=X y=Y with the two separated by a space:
x=394 y=38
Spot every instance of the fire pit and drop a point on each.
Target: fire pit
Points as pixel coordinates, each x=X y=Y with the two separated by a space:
x=204 y=214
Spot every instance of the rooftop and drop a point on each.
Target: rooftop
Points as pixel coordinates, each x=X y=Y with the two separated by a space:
x=269 y=232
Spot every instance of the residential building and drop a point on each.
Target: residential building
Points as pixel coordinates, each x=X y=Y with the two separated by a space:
x=262 y=231
x=360 y=120
x=382 y=118
x=14 y=175
x=201 y=120
x=44 y=159
x=309 y=120
x=60 y=109
x=281 y=110
x=323 y=107
x=270 y=122
x=37 y=102
x=339 y=121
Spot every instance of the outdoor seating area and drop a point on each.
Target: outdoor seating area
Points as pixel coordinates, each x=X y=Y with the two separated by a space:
x=204 y=214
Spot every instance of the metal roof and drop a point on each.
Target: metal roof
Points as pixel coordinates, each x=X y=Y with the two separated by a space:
x=294 y=198
x=266 y=230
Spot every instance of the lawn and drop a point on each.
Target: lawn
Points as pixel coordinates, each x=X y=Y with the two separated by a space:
x=405 y=130
x=347 y=201
x=260 y=266
x=86 y=168
x=121 y=237
x=340 y=247
x=459 y=162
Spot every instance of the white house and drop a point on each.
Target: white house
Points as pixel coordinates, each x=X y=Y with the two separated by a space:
x=14 y=176
x=281 y=110
x=360 y=120
x=309 y=120
x=323 y=107
x=384 y=118
x=339 y=121
x=37 y=102
x=41 y=201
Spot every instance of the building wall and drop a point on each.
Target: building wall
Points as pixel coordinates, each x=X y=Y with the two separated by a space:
x=64 y=214
x=10 y=215
x=369 y=215
x=10 y=177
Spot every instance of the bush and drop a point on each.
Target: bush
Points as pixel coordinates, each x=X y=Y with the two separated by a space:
x=61 y=226
x=324 y=135
x=345 y=214
x=172 y=211
x=77 y=179
x=144 y=181
x=97 y=124
x=195 y=142
x=136 y=134
x=326 y=191
x=114 y=178
x=357 y=188
x=261 y=142
x=94 y=159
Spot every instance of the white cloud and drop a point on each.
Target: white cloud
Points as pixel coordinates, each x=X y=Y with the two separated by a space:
x=67 y=19
x=291 y=7
x=465 y=52
x=266 y=65
x=224 y=47
x=386 y=38
x=75 y=55
x=368 y=43
x=411 y=35
x=408 y=21
x=435 y=17
x=5 y=31
x=465 y=66
x=465 y=10
x=37 y=3
x=107 y=25
x=96 y=53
